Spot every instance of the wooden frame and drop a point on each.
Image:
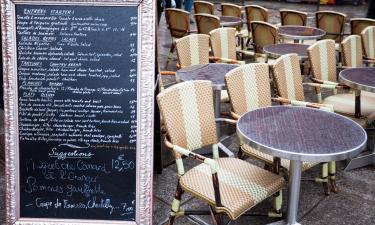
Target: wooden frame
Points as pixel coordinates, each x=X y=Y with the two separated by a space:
x=145 y=101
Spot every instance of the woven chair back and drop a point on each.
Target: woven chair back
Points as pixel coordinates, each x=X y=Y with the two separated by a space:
x=178 y=22
x=188 y=112
x=255 y=13
x=206 y=23
x=223 y=42
x=228 y=9
x=368 y=41
x=351 y=48
x=204 y=7
x=263 y=34
x=249 y=87
x=287 y=73
x=331 y=22
x=293 y=17
x=193 y=49
x=322 y=57
x=357 y=25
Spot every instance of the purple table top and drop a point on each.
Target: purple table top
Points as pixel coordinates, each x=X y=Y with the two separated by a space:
x=301 y=32
x=362 y=78
x=213 y=72
x=278 y=50
x=301 y=133
x=227 y=21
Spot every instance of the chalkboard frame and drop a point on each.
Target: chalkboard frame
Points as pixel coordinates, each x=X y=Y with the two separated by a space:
x=145 y=109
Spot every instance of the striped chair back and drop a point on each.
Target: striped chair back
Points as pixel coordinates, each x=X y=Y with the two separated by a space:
x=255 y=13
x=193 y=50
x=249 y=87
x=206 y=23
x=351 y=48
x=263 y=34
x=368 y=41
x=228 y=9
x=178 y=22
x=204 y=7
x=188 y=112
x=293 y=17
x=322 y=57
x=357 y=25
x=331 y=22
x=287 y=73
x=223 y=42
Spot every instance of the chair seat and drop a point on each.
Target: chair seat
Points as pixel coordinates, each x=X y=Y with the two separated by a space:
x=242 y=185
x=285 y=163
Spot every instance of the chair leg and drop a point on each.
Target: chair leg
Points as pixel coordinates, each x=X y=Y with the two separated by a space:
x=170 y=55
x=216 y=217
x=324 y=178
x=175 y=210
x=239 y=153
x=332 y=176
x=278 y=197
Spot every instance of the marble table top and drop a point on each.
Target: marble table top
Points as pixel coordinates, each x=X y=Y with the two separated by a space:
x=362 y=78
x=213 y=72
x=227 y=21
x=301 y=32
x=278 y=50
x=301 y=133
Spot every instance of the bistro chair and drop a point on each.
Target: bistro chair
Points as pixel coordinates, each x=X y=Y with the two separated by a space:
x=331 y=22
x=263 y=34
x=352 y=54
x=223 y=45
x=228 y=9
x=293 y=17
x=323 y=63
x=204 y=7
x=254 y=13
x=206 y=23
x=357 y=25
x=178 y=25
x=193 y=50
x=368 y=41
x=229 y=186
x=288 y=81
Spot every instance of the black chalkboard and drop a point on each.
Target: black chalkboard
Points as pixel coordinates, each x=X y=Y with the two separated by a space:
x=77 y=104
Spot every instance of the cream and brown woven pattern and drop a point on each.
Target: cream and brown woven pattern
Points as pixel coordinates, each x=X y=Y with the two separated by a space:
x=193 y=49
x=228 y=9
x=178 y=22
x=263 y=34
x=242 y=185
x=255 y=13
x=223 y=43
x=351 y=49
x=187 y=110
x=206 y=22
x=269 y=158
x=357 y=25
x=249 y=87
x=322 y=57
x=204 y=7
x=293 y=17
x=287 y=73
x=332 y=22
x=368 y=40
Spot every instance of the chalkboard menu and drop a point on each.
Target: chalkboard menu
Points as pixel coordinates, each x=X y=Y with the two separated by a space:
x=77 y=111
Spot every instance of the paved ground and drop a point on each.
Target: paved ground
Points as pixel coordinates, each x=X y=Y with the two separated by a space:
x=353 y=205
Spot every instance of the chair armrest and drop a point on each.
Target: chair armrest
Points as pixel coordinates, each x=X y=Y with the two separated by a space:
x=319 y=85
x=369 y=58
x=167 y=73
x=314 y=105
x=230 y=121
x=234 y=115
x=226 y=60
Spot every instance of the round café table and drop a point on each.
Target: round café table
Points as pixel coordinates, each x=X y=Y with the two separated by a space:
x=230 y=21
x=362 y=78
x=213 y=72
x=300 y=33
x=277 y=50
x=300 y=134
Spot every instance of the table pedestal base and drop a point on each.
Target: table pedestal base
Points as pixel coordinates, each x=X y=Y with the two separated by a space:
x=361 y=161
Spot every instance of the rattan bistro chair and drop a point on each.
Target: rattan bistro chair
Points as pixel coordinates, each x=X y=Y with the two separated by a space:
x=293 y=17
x=204 y=7
x=206 y=23
x=357 y=25
x=263 y=34
x=331 y=22
x=254 y=13
x=368 y=41
x=323 y=63
x=352 y=54
x=178 y=25
x=228 y=185
x=228 y=9
x=193 y=50
x=288 y=81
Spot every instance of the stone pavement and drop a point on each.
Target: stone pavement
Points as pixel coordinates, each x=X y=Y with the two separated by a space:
x=353 y=205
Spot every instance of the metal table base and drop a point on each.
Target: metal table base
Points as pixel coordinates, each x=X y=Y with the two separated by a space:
x=361 y=161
